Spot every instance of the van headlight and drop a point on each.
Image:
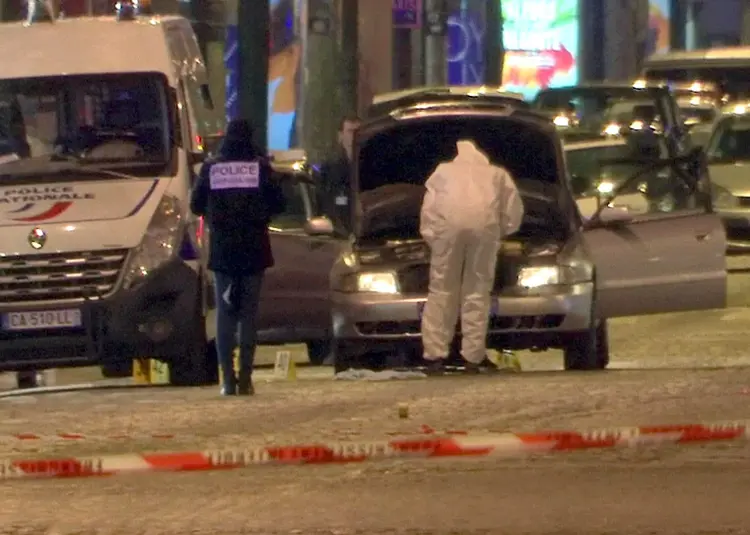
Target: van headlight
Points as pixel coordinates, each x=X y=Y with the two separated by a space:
x=382 y=282
x=539 y=276
x=160 y=242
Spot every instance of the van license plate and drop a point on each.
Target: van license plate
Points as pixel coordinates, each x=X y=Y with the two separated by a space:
x=43 y=319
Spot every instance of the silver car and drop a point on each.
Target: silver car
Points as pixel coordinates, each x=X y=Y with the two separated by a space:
x=728 y=153
x=558 y=279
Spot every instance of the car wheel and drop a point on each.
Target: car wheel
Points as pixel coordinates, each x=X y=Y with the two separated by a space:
x=117 y=369
x=27 y=379
x=588 y=350
x=197 y=366
x=318 y=351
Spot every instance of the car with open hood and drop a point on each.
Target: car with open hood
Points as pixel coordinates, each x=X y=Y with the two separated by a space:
x=559 y=278
x=728 y=155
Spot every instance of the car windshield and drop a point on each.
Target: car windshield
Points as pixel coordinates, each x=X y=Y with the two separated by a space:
x=731 y=140
x=587 y=174
x=122 y=119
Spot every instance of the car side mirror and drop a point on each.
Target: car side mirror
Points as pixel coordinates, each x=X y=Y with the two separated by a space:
x=319 y=226
x=611 y=215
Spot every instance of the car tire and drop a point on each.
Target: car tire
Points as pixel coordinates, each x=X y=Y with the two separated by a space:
x=588 y=350
x=197 y=366
x=318 y=351
x=117 y=369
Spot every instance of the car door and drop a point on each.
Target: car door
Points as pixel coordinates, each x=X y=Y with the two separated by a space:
x=669 y=257
x=295 y=302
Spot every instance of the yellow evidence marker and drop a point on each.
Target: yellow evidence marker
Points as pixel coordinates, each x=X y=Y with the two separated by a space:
x=150 y=372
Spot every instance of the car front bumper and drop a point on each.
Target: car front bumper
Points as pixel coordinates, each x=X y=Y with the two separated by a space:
x=520 y=320
x=153 y=319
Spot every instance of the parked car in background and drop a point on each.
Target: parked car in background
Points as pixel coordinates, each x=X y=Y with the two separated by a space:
x=728 y=154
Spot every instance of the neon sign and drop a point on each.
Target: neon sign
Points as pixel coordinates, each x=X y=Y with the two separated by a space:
x=541 y=42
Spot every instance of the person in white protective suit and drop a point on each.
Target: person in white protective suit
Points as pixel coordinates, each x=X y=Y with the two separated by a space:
x=469 y=207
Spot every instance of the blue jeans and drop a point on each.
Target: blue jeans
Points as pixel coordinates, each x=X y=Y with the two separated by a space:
x=230 y=318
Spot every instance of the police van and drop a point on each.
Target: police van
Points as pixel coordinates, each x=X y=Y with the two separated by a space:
x=103 y=122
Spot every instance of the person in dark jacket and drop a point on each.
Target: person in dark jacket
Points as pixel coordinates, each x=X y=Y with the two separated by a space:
x=335 y=175
x=237 y=197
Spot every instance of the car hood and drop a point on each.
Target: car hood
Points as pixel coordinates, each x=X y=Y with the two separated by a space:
x=734 y=177
x=394 y=156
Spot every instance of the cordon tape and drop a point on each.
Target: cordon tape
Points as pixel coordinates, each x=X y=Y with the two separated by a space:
x=434 y=446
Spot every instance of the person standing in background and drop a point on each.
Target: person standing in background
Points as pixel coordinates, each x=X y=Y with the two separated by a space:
x=237 y=197
x=336 y=174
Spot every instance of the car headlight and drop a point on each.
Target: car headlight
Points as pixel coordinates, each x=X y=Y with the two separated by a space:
x=382 y=282
x=722 y=198
x=159 y=243
x=538 y=276
x=605 y=188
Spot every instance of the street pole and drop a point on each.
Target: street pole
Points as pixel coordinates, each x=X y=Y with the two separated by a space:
x=321 y=85
x=745 y=30
x=493 y=44
x=436 y=65
x=253 y=22
x=349 y=54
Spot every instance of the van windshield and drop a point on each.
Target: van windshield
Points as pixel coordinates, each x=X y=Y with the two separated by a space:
x=109 y=119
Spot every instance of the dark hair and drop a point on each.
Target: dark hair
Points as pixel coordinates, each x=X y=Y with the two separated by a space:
x=239 y=141
x=349 y=118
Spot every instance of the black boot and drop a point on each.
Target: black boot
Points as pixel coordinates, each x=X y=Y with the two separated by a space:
x=435 y=367
x=245 y=387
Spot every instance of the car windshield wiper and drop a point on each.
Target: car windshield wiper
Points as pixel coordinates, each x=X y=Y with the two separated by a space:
x=693 y=157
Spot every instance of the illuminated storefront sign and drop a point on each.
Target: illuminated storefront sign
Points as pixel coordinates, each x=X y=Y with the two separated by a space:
x=659 y=15
x=283 y=74
x=541 y=42
x=466 y=31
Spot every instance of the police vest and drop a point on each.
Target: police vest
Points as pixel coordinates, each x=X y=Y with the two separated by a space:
x=237 y=193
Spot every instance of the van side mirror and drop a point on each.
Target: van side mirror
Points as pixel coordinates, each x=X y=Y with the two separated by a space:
x=195 y=158
x=319 y=226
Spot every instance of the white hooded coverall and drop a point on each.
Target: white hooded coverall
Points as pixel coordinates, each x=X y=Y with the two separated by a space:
x=469 y=206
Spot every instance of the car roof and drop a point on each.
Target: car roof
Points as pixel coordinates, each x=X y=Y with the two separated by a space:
x=606 y=85
x=710 y=57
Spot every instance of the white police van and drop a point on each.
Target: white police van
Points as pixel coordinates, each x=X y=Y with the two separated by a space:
x=102 y=122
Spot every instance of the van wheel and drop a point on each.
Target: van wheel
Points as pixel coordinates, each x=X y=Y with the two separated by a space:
x=588 y=350
x=197 y=366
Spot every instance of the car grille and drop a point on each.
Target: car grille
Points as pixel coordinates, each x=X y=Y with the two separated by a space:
x=59 y=277
x=416 y=278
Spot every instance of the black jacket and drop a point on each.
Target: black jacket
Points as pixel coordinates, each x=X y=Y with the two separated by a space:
x=335 y=177
x=238 y=218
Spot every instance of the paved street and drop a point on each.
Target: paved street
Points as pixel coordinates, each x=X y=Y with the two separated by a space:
x=671 y=369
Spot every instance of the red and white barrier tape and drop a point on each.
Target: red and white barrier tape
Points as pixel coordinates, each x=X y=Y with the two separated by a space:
x=34 y=437
x=501 y=444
